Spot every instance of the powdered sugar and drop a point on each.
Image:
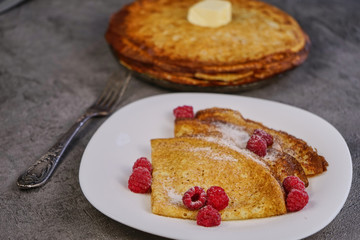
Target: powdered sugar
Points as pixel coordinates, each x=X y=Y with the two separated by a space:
x=200 y=149
x=207 y=151
x=276 y=145
x=175 y=198
x=271 y=155
x=224 y=157
x=232 y=145
x=233 y=133
x=222 y=141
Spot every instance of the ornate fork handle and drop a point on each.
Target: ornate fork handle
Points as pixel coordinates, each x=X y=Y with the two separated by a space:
x=37 y=174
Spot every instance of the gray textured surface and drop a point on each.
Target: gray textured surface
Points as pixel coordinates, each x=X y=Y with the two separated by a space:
x=53 y=63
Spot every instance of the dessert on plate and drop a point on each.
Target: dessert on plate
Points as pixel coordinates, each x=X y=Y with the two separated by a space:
x=263 y=171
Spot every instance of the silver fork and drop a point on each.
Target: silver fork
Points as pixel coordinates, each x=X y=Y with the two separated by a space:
x=38 y=174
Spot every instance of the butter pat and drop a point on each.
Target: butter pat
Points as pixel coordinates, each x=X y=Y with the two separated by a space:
x=210 y=13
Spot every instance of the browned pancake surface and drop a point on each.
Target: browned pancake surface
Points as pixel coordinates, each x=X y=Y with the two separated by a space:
x=182 y=163
x=310 y=160
x=155 y=38
x=280 y=163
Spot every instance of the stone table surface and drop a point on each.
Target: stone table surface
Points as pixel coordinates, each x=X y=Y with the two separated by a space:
x=54 y=62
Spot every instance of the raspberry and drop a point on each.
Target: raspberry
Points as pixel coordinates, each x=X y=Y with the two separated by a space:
x=143 y=162
x=208 y=217
x=217 y=198
x=293 y=182
x=296 y=200
x=194 y=198
x=184 y=112
x=257 y=145
x=140 y=180
x=266 y=136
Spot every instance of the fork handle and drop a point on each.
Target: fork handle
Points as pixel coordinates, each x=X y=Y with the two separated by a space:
x=38 y=174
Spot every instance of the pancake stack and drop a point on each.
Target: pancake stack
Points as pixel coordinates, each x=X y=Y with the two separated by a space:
x=154 y=38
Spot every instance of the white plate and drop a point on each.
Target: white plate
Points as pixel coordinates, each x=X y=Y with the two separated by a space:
x=125 y=136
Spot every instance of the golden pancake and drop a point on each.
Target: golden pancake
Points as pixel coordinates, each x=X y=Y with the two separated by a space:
x=310 y=160
x=155 y=38
x=280 y=163
x=182 y=163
